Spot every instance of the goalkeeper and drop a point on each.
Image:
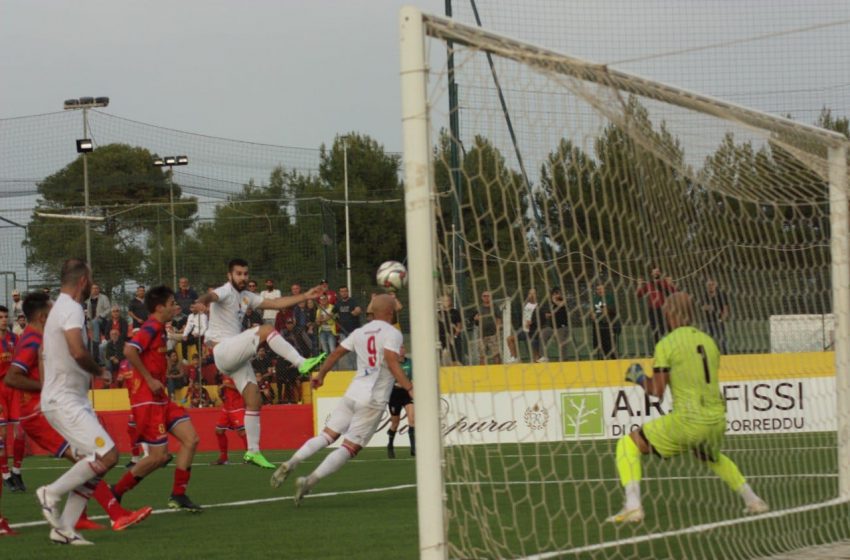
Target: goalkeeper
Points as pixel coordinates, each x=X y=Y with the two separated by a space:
x=687 y=360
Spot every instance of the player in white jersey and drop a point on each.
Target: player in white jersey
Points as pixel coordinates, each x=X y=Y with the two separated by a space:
x=377 y=345
x=233 y=348
x=68 y=369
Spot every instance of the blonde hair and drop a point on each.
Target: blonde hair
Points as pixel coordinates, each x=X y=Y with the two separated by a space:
x=680 y=308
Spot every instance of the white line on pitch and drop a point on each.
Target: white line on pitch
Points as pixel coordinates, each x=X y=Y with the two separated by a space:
x=686 y=531
x=250 y=502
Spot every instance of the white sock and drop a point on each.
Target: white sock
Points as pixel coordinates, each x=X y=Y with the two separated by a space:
x=16 y=470
x=284 y=349
x=77 y=475
x=310 y=447
x=747 y=494
x=77 y=501
x=331 y=464
x=6 y=475
x=252 y=430
x=633 y=495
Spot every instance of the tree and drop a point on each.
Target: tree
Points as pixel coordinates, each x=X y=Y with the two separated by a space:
x=120 y=177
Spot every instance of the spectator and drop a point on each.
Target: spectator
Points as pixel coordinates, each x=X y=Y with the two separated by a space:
x=286 y=375
x=270 y=293
x=554 y=323
x=604 y=324
x=716 y=308
x=489 y=330
x=656 y=290
x=263 y=363
x=113 y=352
x=310 y=326
x=332 y=295
x=17 y=304
x=526 y=333
x=20 y=324
x=175 y=377
x=265 y=388
x=198 y=396
x=450 y=329
x=118 y=323
x=185 y=296
x=326 y=322
x=137 y=310
x=348 y=313
x=195 y=330
x=97 y=314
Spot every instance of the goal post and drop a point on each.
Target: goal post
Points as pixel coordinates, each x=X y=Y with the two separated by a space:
x=581 y=192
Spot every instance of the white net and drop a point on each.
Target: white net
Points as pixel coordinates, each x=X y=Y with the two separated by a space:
x=602 y=192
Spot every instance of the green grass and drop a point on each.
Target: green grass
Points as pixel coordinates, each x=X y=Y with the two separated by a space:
x=505 y=500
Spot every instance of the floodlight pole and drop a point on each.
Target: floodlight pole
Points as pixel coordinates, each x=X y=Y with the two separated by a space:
x=86 y=189
x=170 y=162
x=347 y=225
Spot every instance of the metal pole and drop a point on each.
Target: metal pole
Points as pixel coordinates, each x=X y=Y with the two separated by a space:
x=86 y=190
x=173 y=238
x=347 y=229
x=458 y=265
x=419 y=213
x=839 y=225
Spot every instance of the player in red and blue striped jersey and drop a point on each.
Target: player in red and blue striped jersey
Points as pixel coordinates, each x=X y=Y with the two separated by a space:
x=9 y=413
x=156 y=415
x=24 y=376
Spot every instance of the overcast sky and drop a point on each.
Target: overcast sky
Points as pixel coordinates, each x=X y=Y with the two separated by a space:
x=282 y=72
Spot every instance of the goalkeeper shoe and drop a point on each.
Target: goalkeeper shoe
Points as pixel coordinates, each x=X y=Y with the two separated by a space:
x=182 y=501
x=302 y=488
x=256 y=458
x=310 y=364
x=634 y=515
x=757 y=506
x=280 y=474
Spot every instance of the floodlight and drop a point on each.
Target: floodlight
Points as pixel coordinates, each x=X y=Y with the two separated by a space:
x=158 y=161
x=101 y=101
x=87 y=101
x=182 y=160
x=72 y=103
x=84 y=146
x=170 y=160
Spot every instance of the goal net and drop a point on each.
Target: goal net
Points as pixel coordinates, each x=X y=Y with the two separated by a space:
x=564 y=199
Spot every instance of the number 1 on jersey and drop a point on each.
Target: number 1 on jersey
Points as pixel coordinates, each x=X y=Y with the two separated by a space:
x=701 y=351
x=372 y=349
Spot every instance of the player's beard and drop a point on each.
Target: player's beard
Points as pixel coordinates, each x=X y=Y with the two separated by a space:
x=239 y=287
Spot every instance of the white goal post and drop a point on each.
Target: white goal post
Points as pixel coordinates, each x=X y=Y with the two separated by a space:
x=422 y=216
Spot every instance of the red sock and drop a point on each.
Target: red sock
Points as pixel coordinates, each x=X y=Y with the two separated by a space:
x=4 y=457
x=243 y=437
x=18 y=451
x=222 y=444
x=127 y=483
x=136 y=449
x=108 y=502
x=181 y=481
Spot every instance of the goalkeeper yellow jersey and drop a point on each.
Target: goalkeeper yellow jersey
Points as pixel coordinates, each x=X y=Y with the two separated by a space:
x=692 y=359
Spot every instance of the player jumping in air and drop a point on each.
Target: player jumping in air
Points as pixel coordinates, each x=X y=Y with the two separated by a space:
x=232 y=417
x=687 y=360
x=156 y=415
x=377 y=345
x=233 y=349
x=24 y=375
x=68 y=369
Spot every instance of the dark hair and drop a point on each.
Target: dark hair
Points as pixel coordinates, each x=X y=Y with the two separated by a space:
x=72 y=271
x=157 y=296
x=4 y=309
x=170 y=352
x=33 y=303
x=236 y=262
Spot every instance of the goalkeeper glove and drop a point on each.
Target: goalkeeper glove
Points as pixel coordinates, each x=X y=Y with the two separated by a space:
x=635 y=374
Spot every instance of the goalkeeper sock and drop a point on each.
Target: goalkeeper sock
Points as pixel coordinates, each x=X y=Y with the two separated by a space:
x=728 y=472
x=411 y=432
x=391 y=436
x=252 y=430
x=310 y=448
x=284 y=349
x=628 y=465
x=331 y=464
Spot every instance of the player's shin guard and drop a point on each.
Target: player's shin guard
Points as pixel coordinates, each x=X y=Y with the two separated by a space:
x=79 y=473
x=310 y=447
x=252 y=430
x=629 y=468
x=284 y=349
x=181 y=481
x=76 y=503
x=331 y=464
x=728 y=472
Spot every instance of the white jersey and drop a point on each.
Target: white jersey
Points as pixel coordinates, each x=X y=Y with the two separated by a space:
x=270 y=314
x=374 y=382
x=227 y=313
x=65 y=382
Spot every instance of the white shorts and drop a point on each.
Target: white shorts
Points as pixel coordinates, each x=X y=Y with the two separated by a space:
x=356 y=422
x=233 y=357
x=81 y=429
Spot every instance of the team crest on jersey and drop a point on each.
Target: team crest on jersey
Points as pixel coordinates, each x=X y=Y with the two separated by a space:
x=99 y=442
x=161 y=428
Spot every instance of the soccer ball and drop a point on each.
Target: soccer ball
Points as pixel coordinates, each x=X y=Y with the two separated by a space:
x=392 y=275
